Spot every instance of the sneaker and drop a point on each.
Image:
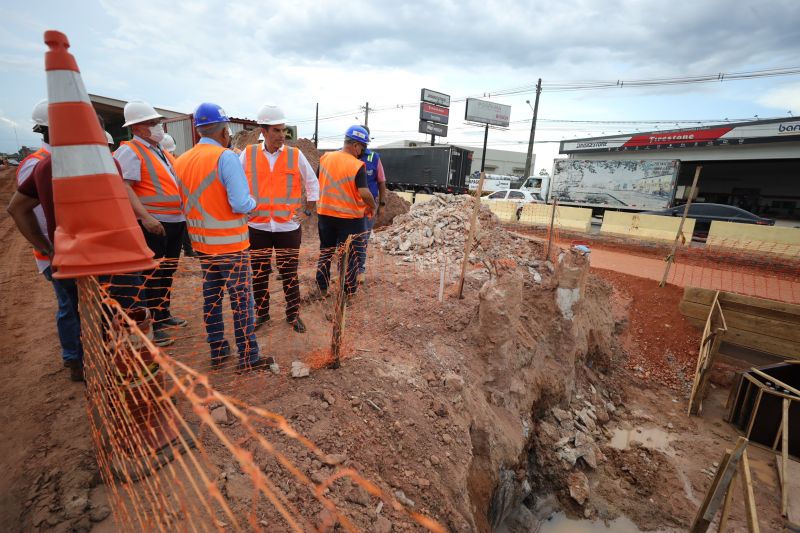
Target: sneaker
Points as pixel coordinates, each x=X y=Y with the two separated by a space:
x=261 y=320
x=75 y=369
x=259 y=365
x=297 y=324
x=161 y=338
x=221 y=356
x=174 y=322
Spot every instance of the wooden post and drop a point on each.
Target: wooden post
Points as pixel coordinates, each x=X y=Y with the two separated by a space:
x=784 y=456
x=550 y=233
x=671 y=256
x=719 y=487
x=337 y=334
x=749 y=498
x=468 y=244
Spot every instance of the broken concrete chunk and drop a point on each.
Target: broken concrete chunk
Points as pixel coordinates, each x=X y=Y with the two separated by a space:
x=578 y=487
x=220 y=415
x=300 y=369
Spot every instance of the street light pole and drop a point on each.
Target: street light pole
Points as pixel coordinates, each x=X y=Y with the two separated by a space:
x=535 y=108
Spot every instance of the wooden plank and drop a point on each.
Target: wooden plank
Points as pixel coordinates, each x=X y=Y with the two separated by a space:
x=762 y=343
x=776 y=381
x=719 y=487
x=706 y=296
x=749 y=498
x=754 y=412
x=782 y=329
x=792 y=489
x=785 y=456
x=726 y=507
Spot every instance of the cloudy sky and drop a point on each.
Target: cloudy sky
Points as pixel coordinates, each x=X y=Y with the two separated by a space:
x=342 y=55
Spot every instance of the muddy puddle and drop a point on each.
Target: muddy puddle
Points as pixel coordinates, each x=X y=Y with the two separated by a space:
x=653 y=438
x=559 y=523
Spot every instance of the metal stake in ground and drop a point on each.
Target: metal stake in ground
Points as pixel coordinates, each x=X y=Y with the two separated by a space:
x=337 y=332
x=671 y=256
x=473 y=221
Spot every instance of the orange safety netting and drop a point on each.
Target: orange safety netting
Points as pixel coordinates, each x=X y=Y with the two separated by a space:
x=184 y=444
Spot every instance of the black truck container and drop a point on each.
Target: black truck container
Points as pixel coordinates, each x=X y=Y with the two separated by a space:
x=427 y=169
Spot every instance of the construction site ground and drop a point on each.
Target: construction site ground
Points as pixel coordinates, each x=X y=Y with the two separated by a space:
x=390 y=415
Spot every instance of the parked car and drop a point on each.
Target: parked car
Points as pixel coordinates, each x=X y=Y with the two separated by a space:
x=515 y=195
x=704 y=214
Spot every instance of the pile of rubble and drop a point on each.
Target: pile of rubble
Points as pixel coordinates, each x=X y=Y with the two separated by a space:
x=435 y=232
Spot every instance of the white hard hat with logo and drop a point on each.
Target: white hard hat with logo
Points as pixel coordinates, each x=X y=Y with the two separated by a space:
x=39 y=115
x=109 y=138
x=269 y=115
x=168 y=143
x=137 y=111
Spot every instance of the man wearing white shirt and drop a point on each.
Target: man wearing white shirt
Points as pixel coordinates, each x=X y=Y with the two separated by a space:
x=149 y=175
x=277 y=175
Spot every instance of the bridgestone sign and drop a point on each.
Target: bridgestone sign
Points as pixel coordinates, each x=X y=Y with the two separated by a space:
x=433 y=97
x=484 y=112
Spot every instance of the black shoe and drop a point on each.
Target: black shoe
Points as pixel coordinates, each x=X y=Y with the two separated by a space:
x=75 y=369
x=161 y=338
x=297 y=324
x=261 y=320
x=259 y=365
x=221 y=356
x=174 y=322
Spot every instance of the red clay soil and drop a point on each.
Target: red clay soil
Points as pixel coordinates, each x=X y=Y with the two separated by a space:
x=661 y=344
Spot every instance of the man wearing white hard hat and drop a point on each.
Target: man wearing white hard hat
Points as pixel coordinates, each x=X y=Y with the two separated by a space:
x=149 y=174
x=278 y=175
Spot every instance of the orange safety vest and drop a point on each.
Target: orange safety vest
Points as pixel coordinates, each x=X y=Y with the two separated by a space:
x=157 y=189
x=213 y=226
x=339 y=196
x=39 y=154
x=278 y=192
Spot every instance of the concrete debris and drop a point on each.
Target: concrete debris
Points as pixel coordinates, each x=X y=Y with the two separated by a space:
x=435 y=232
x=219 y=415
x=403 y=499
x=578 y=487
x=382 y=525
x=300 y=369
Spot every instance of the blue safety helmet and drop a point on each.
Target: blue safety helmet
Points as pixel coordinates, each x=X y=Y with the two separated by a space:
x=208 y=113
x=358 y=134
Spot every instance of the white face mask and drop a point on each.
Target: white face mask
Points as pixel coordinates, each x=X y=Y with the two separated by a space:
x=157 y=133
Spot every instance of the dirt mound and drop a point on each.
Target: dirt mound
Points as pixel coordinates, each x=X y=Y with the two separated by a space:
x=309 y=150
x=435 y=232
x=244 y=138
x=394 y=207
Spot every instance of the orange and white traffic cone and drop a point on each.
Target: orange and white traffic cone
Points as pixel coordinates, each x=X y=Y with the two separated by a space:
x=96 y=229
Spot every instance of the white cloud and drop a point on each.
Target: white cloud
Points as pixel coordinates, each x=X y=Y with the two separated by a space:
x=784 y=98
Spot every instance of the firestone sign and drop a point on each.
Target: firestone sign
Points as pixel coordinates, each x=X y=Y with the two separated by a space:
x=434 y=113
x=749 y=133
x=485 y=112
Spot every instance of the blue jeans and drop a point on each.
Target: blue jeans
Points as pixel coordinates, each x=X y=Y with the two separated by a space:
x=363 y=241
x=231 y=271
x=68 y=321
x=333 y=232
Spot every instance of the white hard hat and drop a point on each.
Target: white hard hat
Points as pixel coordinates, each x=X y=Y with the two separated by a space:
x=137 y=111
x=109 y=138
x=270 y=115
x=39 y=115
x=168 y=143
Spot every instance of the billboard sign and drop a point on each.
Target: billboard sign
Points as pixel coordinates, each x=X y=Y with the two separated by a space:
x=645 y=185
x=433 y=97
x=485 y=112
x=440 y=130
x=434 y=113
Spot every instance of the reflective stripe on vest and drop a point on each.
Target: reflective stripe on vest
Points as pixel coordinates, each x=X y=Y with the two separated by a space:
x=208 y=233
x=269 y=207
x=339 y=196
x=164 y=201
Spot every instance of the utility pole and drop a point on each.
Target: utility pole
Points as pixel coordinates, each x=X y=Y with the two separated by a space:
x=528 y=160
x=316 y=127
x=366 y=115
x=433 y=139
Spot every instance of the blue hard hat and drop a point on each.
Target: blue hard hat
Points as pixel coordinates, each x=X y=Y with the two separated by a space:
x=358 y=134
x=208 y=113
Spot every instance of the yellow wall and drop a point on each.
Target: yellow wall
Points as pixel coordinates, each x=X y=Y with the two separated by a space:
x=571 y=218
x=763 y=239
x=504 y=209
x=420 y=198
x=646 y=227
x=407 y=196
